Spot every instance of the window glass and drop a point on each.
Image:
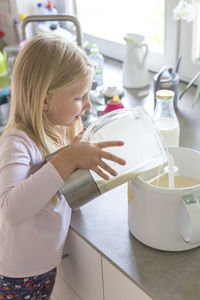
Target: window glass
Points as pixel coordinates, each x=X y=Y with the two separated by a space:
x=111 y=21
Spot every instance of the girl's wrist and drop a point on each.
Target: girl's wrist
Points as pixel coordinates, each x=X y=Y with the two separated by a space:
x=63 y=162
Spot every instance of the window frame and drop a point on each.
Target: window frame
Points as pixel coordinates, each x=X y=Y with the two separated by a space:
x=188 y=30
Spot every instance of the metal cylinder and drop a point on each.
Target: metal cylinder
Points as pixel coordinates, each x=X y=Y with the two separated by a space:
x=80 y=188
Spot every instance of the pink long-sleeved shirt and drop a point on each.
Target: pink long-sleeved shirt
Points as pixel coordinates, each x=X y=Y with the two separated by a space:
x=32 y=230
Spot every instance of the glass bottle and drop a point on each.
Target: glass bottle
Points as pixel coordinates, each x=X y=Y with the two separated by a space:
x=165 y=118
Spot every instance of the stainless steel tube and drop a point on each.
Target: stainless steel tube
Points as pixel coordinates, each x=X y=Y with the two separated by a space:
x=58 y=17
x=80 y=188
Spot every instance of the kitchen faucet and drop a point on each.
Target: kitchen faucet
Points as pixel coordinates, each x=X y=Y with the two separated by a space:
x=58 y=17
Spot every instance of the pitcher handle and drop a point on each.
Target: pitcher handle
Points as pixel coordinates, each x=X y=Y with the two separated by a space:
x=192 y=206
x=145 y=53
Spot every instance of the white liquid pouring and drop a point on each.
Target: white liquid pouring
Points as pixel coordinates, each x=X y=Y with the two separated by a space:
x=171 y=170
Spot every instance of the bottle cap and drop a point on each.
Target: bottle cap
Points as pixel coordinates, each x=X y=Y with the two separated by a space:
x=23 y=16
x=49 y=5
x=165 y=94
x=94 y=49
x=115 y=100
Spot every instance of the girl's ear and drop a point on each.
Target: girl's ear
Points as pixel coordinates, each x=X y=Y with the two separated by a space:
x=46 y=103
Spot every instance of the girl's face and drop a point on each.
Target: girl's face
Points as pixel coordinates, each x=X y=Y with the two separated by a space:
x=66 y=107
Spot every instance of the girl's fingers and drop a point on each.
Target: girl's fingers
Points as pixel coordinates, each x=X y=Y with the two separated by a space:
x=113 y=157
x=106 y=167
x=98 y=171
x=107 y=144
x=77 y=138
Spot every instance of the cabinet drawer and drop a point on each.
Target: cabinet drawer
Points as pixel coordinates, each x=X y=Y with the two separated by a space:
x=82 y=269
x=117 y=286
x=62 y=291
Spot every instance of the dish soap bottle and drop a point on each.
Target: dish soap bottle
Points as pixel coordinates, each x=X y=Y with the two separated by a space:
x=113 y=104
x=165 y=118
x=51 y=10
x=97 y=61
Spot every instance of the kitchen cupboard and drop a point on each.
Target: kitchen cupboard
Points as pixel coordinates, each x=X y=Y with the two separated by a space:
x=81 y=270
x=117 y=286
x=62 y=291
x=86 y=275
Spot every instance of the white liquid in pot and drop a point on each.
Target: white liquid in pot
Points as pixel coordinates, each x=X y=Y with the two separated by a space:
x=180 y=181
x=170 y=131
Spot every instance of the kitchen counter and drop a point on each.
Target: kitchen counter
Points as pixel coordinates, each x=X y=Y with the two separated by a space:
x=103 y=222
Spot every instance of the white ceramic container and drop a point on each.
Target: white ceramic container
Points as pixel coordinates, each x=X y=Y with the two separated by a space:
x=167 y=218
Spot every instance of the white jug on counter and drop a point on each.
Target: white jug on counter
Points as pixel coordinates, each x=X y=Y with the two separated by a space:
x=135 y=73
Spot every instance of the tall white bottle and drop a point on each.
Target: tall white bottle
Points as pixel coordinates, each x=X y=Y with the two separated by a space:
x=165 y=118
x=97 y=61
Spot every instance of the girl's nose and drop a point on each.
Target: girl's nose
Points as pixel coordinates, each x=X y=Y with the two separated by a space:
x=87 y=103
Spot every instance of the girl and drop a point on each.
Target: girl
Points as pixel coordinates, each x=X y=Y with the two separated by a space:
x=50 y=91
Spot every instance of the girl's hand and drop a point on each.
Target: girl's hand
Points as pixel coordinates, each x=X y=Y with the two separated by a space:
x=91 y=155
x=84 y=155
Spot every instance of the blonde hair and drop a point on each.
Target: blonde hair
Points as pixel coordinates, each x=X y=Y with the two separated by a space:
x=45 y=65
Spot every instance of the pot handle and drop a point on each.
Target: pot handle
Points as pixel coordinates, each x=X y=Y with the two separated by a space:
x=191 y=203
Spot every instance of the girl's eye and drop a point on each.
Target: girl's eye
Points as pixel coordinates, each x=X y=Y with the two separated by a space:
x=78 y=99
x=85 y=96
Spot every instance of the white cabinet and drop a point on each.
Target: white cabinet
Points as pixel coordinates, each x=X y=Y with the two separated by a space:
x=82 y=269
x=118 y=287
x=62 y=291
x=86 y=275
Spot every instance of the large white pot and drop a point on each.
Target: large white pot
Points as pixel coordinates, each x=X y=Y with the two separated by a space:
x=163 y=218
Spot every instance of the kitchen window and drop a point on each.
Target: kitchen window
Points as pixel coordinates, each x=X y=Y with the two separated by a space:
x=106 y=24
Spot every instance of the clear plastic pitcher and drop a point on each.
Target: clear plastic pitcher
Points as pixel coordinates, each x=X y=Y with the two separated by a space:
x=143 y=150
x=143 y=147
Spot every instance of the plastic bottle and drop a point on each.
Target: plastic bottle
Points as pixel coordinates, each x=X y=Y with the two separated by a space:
x=17 y=29
x=97 y=61
x=165 y=118
x=51 y=10
x=3 y=70
x=2 y=42
x=40 y=9
x=113 y=104
x=112 y=90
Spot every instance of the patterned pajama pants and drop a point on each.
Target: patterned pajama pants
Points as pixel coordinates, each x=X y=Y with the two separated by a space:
x=33 y=288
